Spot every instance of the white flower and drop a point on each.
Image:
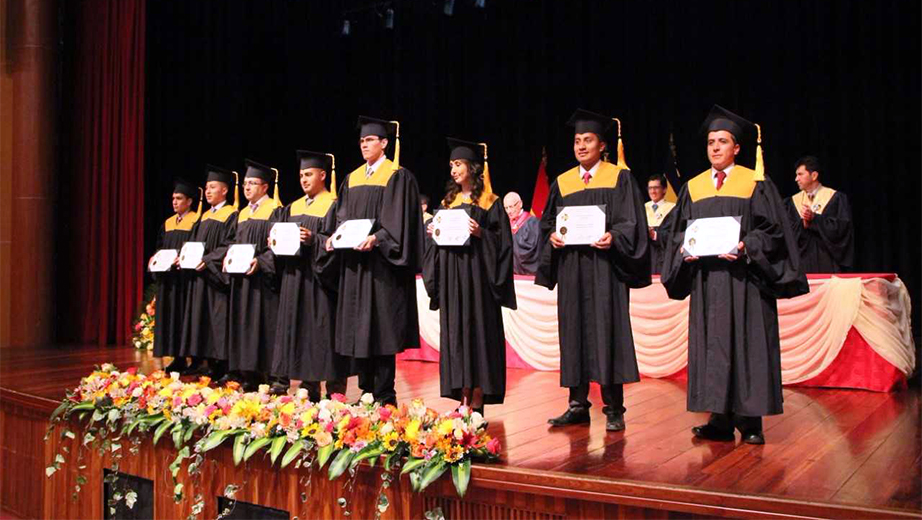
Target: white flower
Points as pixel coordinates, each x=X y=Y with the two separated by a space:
x=137 y=392
x=302 y=394
x=174 y=376
x=324 y=415
x=107 y=367
x=368 y=399
x=264 y=389
x=476 y=420
x=387 y=428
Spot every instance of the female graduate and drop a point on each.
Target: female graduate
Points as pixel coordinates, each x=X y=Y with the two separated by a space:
x=470 y=283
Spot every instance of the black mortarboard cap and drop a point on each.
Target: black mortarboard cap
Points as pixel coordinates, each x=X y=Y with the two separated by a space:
x=185 y=187
x=584 y=121
x=719 y=118
x=467 y=150
x=214 y=173
x=309 y=159
x=372 y=126
x=260 y=171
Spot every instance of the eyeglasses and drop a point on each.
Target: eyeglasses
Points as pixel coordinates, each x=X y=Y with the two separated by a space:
x=253 y=183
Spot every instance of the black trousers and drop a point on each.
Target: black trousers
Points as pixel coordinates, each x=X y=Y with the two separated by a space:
x=612 y=398
x=376 y=376
x=728 y=421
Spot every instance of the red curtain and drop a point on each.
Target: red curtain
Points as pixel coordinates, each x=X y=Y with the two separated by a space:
x=108 y=169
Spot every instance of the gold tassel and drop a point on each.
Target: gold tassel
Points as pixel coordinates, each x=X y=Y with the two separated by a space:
x=621 y=161
x=487 y=184
x=760 y=165
x=397 y=146
x=236 y=190
x=333 y=178
x=278 y=200
x=201 y=197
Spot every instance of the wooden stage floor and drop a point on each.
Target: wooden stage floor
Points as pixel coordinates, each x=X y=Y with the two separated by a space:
x=831 y=447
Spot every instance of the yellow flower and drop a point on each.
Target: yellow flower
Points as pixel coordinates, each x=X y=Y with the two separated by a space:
x=246 y=408
x=310 y=430
x=446 y=427
x=342 y=423
x=391 y=440
x=412 y=431
x=288 y=408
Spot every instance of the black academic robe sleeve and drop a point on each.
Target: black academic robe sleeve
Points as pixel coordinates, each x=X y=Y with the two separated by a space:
x=496 y=248
x=677 y=275
x=834 y=227
x=265 y=257
x=431 y=271
x=400 y=233
x=771 y=248
x=546 y=274
x=326 y=263
x=214 y=259
x=630 y=237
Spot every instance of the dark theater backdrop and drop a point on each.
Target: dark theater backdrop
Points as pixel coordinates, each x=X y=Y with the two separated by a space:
x=236 y=79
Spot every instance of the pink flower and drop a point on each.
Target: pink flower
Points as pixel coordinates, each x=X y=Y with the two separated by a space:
x=177 y=401
x=132 y=370
x=329 y=427
x=384 y=413
x=493 y=446
x=138 y=326
x=339 y=397
x=210 y=410
x=194 y=399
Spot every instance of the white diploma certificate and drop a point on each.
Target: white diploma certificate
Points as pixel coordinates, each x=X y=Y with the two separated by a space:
x=191 y=255
x=162 y=260
x=285 y=238
x=712 y=236
x=450 y=227
x=581 y=225
x=351 y=233
x=239 y=257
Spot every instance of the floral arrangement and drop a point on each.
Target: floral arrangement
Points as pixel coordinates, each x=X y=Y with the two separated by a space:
x=331 y=433
x=142 y=336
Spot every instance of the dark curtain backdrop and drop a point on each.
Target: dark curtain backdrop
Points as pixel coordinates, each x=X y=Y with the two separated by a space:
x=101 y=217
x=237 y=78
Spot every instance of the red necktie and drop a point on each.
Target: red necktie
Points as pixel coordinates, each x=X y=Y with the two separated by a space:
x=720 y=179
x=586 y=178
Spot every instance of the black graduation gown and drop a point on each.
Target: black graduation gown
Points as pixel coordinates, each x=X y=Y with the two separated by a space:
x=827 y=245
x=469 y=285
x=526 y=242
x=172 y=286
x=205 y=319
x=658 y=245
x=306 y=333
x=254 y=299
x=734 y=353
x=376 y=311
x=596 y=342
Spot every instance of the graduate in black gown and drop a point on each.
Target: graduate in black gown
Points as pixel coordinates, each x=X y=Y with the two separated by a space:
x=376 y=315
x=734 y=352
x=172 y=285
x=822 y=221
x=470 y=284
x=305 y=350
x=657 y=210
x=205 y=318
x=593 y=281
x=254 y=297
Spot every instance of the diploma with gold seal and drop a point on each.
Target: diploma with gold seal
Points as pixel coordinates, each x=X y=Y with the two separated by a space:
x=581 y=225
x=712 y=236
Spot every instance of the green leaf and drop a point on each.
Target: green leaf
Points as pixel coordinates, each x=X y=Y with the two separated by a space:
x=412 y=463
x=239 y=447
x=161 y=430
x=177 y=435
x=461 y=475
x=292 y=452
x=414 y=481
x=368 y=452
x=188 y=433
x=340 y=463
x=277 y=444
x=88 y=405
x=98 y=415
x=323 y=454
x=61 y=407
x=114 y=415
x=389 y=460
x=431 y=473
x=214 y=440
x=50 y=471
x=255 y=446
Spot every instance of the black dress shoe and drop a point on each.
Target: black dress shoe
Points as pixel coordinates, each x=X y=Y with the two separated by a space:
x=177 y=365
x=753 y=437
x=227 y=378
x=571 y=416
x=195 y=368
x=712 y=433
x=614 y=422
x=278 y=388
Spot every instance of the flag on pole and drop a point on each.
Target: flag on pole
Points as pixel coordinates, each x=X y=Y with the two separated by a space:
x=542 y=187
